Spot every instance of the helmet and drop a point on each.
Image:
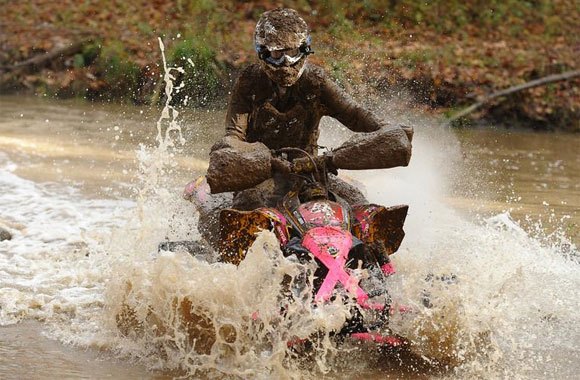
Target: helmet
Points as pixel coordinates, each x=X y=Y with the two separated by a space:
x=282 y=41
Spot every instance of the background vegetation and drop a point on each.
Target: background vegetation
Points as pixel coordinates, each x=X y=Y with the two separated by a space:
x=445 y=53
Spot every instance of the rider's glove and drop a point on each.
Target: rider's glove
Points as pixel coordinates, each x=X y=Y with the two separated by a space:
x=307 y=165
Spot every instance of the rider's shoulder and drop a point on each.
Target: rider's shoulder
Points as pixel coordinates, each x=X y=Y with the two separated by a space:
x=313 y=72
x=314 y=75
x=312 y=69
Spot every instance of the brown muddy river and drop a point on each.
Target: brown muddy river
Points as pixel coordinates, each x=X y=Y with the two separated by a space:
x=87 y=193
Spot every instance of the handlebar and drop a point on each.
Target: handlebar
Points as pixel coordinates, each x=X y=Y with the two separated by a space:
x=308 y=164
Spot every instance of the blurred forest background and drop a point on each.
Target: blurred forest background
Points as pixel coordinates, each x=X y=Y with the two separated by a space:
x=446 y=54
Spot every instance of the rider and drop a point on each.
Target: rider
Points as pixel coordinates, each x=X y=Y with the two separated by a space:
x=278 y=103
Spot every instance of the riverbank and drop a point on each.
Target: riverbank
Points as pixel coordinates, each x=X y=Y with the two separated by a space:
x=445 y=55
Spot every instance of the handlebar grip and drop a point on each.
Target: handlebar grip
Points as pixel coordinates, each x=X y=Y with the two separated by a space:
x=305 y=165
x=302 y=165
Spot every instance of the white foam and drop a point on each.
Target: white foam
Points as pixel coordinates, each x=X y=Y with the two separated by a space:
x=52 y=260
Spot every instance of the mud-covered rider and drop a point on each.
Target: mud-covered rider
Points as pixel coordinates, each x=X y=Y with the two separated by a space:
x=277 y=103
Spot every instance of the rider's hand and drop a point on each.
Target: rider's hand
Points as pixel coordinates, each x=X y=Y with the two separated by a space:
x=281 y=165
x=305 y=164
x=302 y=165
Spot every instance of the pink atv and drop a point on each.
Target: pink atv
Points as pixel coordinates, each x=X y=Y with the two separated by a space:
x=312 y=224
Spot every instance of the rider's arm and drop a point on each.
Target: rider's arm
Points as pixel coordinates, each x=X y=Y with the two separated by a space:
x=339 y=105
x=392 y=143
x=240 y=106
x=235 y=164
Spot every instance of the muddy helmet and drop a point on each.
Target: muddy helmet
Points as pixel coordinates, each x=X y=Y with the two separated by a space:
x=282 y=41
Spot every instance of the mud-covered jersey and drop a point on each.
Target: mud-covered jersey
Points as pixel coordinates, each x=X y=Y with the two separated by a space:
x=260 y=111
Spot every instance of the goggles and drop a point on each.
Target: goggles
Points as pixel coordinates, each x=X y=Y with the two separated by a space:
x=278 y=57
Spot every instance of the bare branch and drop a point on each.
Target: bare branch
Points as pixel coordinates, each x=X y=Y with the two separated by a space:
x=39 y=61
x=534 y=83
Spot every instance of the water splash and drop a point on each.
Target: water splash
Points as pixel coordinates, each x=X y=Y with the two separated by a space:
x=175 y=312
x=499 y=301
x=472 y=284
x=182 y=313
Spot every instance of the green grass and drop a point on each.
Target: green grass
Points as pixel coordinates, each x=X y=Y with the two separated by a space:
x=203 y=74
x=118 y=70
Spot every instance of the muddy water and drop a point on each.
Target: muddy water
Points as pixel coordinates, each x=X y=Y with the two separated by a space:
x=538 y=174
x=71 y=175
